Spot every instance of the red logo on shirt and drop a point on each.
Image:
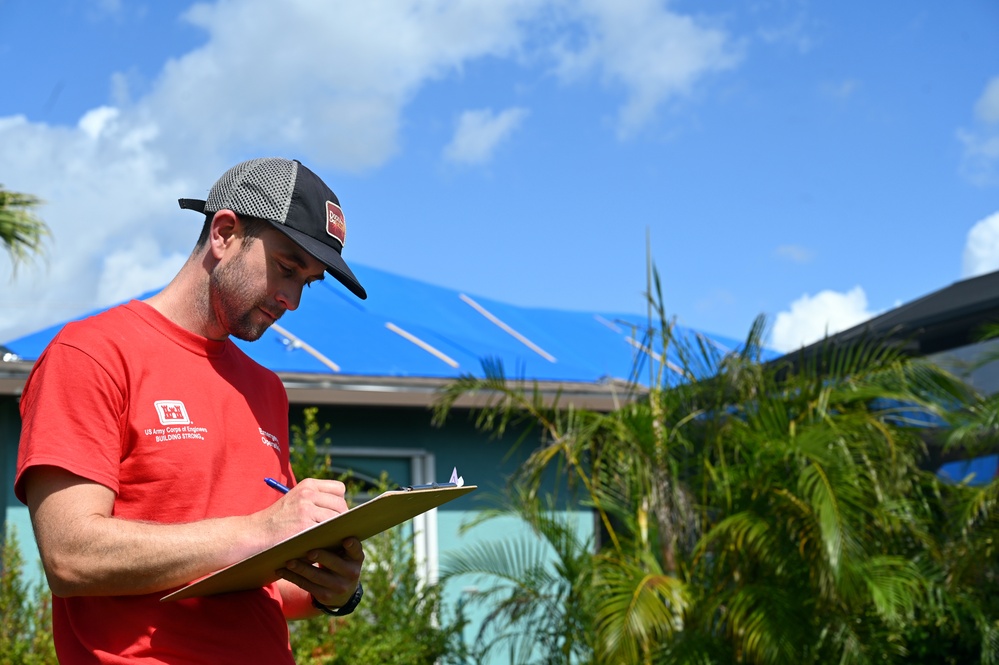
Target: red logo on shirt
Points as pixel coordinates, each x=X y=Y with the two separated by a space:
x=336 y=226
x=172 y=412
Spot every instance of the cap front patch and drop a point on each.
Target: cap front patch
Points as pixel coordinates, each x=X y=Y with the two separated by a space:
x=335 y=224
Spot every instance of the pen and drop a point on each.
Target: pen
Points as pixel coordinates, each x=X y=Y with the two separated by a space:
x=276 y=485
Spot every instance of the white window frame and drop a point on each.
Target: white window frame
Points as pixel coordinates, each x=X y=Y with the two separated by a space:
x=426 y=551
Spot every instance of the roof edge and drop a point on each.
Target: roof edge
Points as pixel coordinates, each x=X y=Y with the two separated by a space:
x=397 y=391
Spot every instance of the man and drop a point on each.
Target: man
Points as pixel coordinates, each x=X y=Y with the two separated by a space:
x=147 y=435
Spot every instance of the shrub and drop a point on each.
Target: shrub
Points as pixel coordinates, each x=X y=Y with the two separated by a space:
x=25 y=612
x=399 y=621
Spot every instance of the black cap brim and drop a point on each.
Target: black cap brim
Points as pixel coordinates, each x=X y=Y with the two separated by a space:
x=329 y=257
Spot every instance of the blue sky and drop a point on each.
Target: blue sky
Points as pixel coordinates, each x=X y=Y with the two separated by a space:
x=815 y=162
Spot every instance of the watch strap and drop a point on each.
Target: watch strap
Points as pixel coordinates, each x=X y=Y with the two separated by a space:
x=346 y=609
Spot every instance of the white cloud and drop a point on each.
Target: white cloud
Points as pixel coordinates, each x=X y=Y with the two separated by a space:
x=94 y=122
x=840 y=90
x=480 y=132
x=792 y=34
x=655 y=54
x=981 y=251
x=981 y=145
x=813 y=317
x=795 y=253
x=109 y=6
x=105 y=190
x=324 y=82
x=327 y=82
x=100 y=9
x=987 y=106
x=135 y=268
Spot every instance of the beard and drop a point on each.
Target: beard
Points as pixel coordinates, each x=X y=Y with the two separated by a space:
x=234 y=303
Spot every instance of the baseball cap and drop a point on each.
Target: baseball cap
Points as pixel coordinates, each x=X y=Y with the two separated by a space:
x=294 y=200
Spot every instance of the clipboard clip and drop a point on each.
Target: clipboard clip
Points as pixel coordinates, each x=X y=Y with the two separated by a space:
x=428 y=486
x=456 y=481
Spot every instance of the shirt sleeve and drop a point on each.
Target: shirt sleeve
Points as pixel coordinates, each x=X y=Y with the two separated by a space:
x=72 y=417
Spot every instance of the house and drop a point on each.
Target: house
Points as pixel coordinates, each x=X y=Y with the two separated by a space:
x=374 y=368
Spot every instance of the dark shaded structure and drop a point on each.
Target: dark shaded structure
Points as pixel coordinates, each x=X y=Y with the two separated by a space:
x=944 y=320
x=947 y=327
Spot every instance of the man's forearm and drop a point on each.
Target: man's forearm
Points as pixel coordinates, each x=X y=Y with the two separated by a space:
x=100 y=556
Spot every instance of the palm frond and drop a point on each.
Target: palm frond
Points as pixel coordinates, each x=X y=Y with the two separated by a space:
x=990 y=643
x=766 y=621
x=981 y=506
x=537 y=589
x=895 y=586
x=21 y=230
x=638 y=607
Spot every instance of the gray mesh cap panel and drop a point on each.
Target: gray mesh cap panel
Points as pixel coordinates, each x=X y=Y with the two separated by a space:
x=260 y=188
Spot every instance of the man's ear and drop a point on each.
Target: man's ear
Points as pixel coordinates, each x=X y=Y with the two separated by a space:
x=222 y=233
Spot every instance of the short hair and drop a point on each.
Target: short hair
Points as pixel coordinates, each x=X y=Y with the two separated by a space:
x=252 y=228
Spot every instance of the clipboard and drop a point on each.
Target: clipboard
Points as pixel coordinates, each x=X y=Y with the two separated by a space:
x=363 y=521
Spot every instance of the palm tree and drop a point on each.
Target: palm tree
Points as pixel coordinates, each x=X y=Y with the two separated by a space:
x=756 y=512
x=21 y=231
x=816 y=510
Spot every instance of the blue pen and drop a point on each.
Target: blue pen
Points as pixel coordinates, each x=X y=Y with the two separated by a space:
x=276 y=485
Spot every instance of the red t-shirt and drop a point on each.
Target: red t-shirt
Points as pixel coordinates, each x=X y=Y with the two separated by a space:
x=181 y=428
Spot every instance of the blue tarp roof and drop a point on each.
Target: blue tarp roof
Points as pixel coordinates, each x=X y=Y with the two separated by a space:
x=977 y=471
x=368 y=338
x=408 y=328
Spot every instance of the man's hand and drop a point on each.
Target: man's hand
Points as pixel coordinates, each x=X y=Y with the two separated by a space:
x=308 y=503
x=330 y=575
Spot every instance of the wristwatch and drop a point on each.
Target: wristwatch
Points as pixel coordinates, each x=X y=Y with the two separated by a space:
x=349 y=607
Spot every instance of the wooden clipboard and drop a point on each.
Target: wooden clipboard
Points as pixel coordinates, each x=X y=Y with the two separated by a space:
x=379 y=514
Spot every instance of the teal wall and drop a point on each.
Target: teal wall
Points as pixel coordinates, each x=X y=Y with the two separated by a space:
x=480 y=458
x=8 y=449
x=463 y=591
x=14 y=513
